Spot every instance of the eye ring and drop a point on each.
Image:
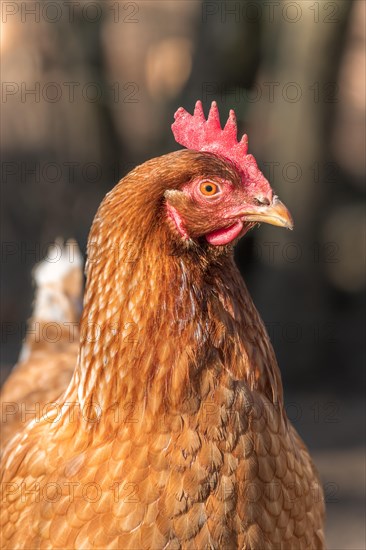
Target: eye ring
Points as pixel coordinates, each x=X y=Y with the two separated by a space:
x=209 y=188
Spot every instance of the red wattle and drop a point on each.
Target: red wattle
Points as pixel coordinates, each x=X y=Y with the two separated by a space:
x=225 y=235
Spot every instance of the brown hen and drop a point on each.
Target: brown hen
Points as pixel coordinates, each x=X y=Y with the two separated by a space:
x=172 y=432
x=48 y=356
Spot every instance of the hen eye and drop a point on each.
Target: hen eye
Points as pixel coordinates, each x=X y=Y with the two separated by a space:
x=209 y=188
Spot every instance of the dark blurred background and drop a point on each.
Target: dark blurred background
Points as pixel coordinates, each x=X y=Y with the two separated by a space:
x=89 y=90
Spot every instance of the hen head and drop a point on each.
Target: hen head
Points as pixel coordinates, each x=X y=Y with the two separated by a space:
x=225 y=193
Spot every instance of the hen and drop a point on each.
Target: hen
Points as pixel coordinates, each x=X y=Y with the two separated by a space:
x=172 y=432
x=48 y=356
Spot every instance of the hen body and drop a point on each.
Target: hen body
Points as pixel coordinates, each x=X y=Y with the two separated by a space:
x=172 y=433
x=48 y=356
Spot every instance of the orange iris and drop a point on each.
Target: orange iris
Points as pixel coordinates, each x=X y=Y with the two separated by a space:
x=209 y=188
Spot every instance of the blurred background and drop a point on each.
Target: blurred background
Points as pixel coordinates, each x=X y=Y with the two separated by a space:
x=89 y=90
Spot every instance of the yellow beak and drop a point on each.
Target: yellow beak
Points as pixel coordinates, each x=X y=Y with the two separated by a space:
x=274 y=214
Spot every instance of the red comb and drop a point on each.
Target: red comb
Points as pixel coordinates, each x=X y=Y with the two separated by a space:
x=195 y=132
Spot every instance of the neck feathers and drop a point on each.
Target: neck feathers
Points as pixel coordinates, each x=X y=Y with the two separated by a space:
x=157 y=317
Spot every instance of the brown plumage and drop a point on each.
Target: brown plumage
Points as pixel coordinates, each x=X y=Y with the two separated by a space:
x=172 y=432
x=48 y=356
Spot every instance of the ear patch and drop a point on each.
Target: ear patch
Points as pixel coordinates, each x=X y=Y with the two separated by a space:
x=173 y=213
